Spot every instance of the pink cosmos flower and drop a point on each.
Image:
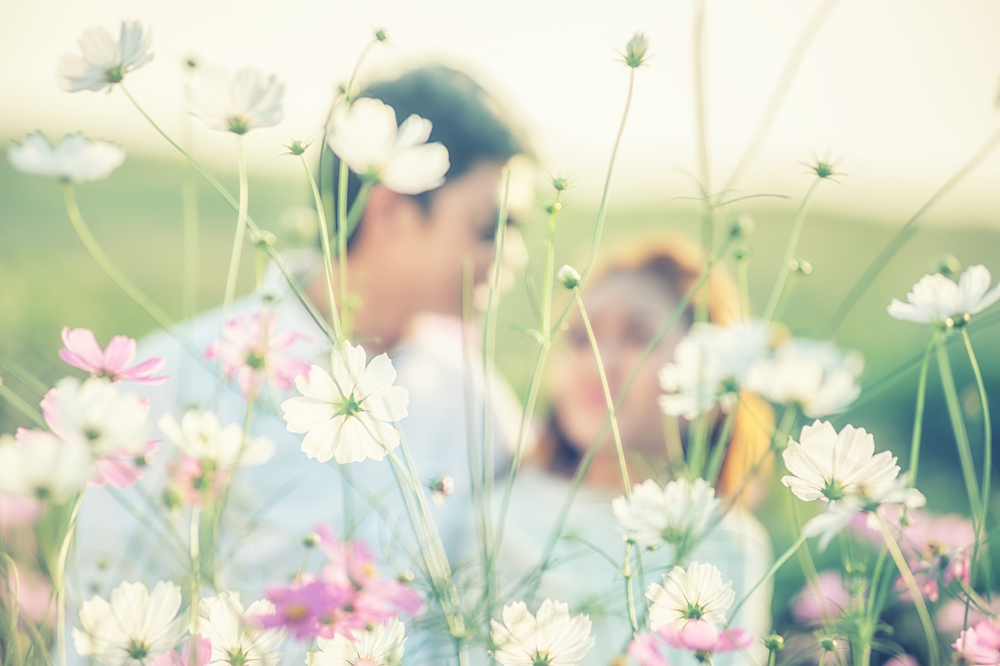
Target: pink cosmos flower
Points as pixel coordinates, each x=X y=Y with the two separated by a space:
x=827 y=598
x=902 y=660
x=172 y=658
x=980 y=645
x=197 y=480
x=82 y=351
x=699 y=636
x=249 y=350
x=305 y=606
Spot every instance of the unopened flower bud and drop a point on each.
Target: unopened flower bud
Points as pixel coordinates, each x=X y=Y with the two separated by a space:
x=381 y=35
x=774 y=642
x=560 y=184
x=635 y=50
x=406 y=577
x=742 y=226
x=800 y=266
x=828 y=644
x=297 y=147
x=741 y=253
x=568 y=277
x=265 y=237
x=441 y=488
x=310 y=540
x=552 y=207
x=948 y=266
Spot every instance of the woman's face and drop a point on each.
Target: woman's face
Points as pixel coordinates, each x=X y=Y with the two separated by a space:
x=625 y=310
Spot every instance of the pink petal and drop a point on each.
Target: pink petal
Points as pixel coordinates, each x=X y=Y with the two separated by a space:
x=82 y=346
x=733 y=639
x=50 y=410
x=204 y=649
x=700 y=635
x=643 y=650
x=142 y=373
x=119 y=472
x=118 y=354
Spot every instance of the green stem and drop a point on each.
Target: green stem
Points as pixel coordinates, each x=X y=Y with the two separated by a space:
x=60 y=580
x=958 y=426
x=904 y=235
x=918 y=417
x=90 y=243
x=22 y=405
x=548 y=271
x=911 y=584
x=722 y=445
x=195 y=572
x=987 y=462
x=608 y=401
x=345 y=324
x=793 y=241
x=629 y=592
x=358 y=205
x=22 y=375
x=241 y=227
x=189 y=203
x=296 y=288
x=767 y=576
x=327 y=255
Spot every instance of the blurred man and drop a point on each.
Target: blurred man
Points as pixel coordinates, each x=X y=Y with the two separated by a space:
x=404 y=270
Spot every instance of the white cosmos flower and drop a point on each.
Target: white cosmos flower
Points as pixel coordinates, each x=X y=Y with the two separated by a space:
x=552 y=638
x=37 y=465
x=814 y=375
x=238 y=638
x=95 y=413
x=200 y=435
x=365 y=135
x=843 y=469
x=709 y=366
x=135 y=628
x=695 y=593
x=380 y=645
x=105 y=61
x=936 y=298
x=238 y=103
x=679 y=513
x=825 y=464
x=75 y=158
x=349 y=415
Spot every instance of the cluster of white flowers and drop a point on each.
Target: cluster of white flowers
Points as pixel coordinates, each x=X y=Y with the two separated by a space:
x=713 y=362
x=200 y=435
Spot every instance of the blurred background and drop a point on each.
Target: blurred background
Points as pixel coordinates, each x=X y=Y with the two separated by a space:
x=899 y=94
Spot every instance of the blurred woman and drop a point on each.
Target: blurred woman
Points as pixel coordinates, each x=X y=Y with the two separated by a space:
x=627 y=301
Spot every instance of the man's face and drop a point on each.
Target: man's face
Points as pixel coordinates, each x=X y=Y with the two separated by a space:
x=458 y=228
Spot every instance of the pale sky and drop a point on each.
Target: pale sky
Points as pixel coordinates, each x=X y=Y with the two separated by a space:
x=902 y=91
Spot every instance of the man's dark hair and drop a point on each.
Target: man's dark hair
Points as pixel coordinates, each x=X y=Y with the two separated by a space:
x=464 y=117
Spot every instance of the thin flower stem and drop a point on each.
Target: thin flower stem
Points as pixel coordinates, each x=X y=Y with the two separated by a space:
x=299 y=292
x=195 y=545
x=608 y=401
x=987 y=463
x=60 y=579
x=588 y=457
x=358 y=205
x=904 y=235
x=958 y=426
x=327 y=256
x=603 y=207
x=768 y=575
x=345 y=324
x=911 y=584
x=189 y=208
x=548 y=271
x=743 y=285
x=489 y=389
x=629 y=592
x=22 y=375
x=241 y=227
x=793 y=241
x=722 y=445
x=472 y=417
x=918 y=417
x=90 y=243
x=780 y=90
x=22 y=405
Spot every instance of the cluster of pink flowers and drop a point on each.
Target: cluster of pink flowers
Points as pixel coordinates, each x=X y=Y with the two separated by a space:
x=250 y=350
x=348 y=595
x=196 y=481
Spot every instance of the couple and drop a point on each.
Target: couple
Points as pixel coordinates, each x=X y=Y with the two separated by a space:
x=405 y=269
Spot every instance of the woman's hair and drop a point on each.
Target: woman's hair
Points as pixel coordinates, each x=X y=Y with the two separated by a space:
x=678 y=263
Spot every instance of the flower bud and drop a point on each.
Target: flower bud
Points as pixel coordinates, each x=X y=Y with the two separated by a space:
x=552 y=207
x=297 y=147
x=635 y=50
x=828 y=644
x=741 y=253
x=774 y=642
x=560 y=184
x=742 y=226
x=381 y=35
x=948 y=266
x=441 y=488
x=310 y=540
x=568 y=277
x=800 y=266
